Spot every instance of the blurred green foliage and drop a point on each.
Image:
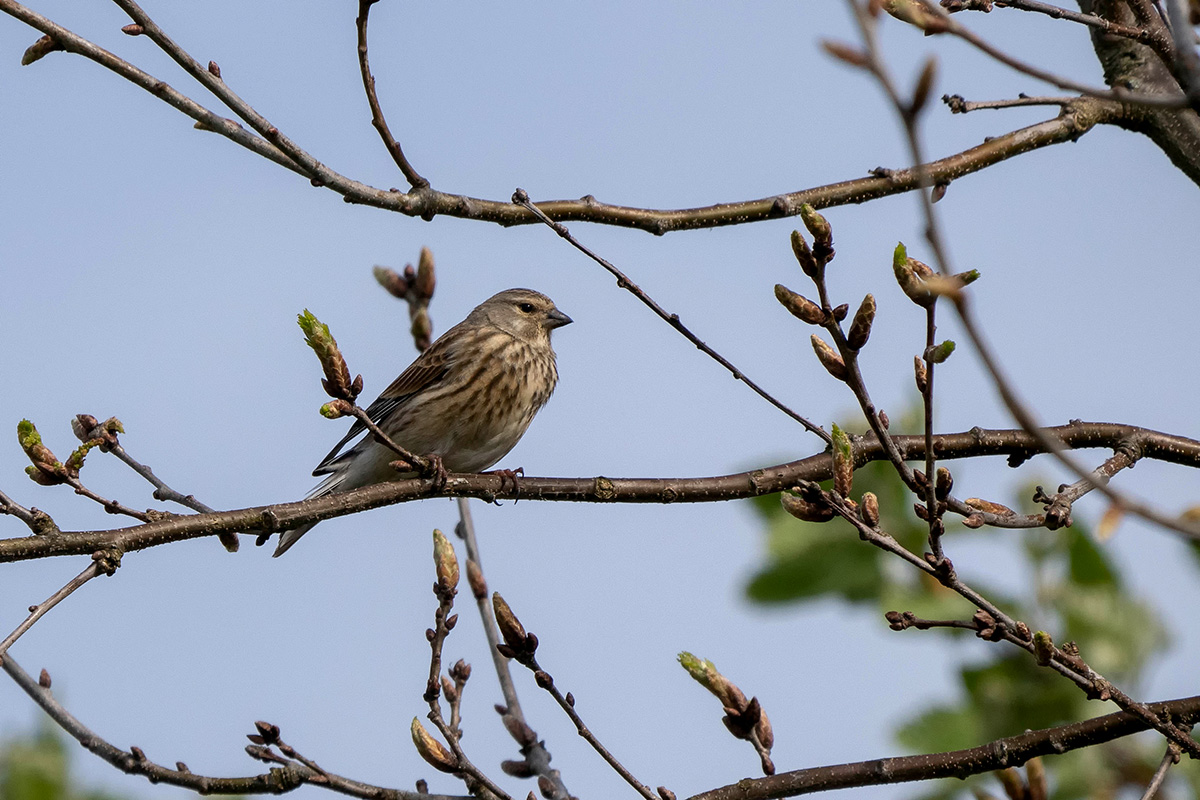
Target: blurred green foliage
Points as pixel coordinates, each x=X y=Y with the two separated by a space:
x=1075 y=592
x=37 y=767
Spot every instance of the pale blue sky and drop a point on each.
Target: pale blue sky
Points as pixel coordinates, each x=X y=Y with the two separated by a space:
x=153 y=272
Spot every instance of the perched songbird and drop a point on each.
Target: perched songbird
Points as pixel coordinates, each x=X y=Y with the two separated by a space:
x=467 y=399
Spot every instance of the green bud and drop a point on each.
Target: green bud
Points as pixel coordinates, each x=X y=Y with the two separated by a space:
x=337 y=381
x=939 y=353
x=1043 y=647
x=843 y=462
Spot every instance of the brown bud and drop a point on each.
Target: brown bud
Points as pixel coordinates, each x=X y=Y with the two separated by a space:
x=546 y=787
x=943 y=483
x=917 y=14
x=476 y=580
x=860 y=328
x=921 y=374
x=82 y=426
x=766 y=735
x=884 y=421
x=868 y=509
x=39 y=49
x=808 y=263
x=214 y=69
x=133 y=30
x=804 y=510
x=938 y=191
x=426 y=280
x=44 y=679
x=391 y=280
x=841 y=312
x=924 y=86
x=510 y=627
x=517 y=769
x=829 y=359
x=973 y=521
x=800 y=306
x=446 y=563
x=430 y=749
x=845 y=52
x=989 y=507
x=665 y=793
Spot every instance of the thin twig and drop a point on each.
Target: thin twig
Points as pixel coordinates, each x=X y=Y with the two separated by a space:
x=545 y=681
x=38 y=521
x=522 y=198
x=38 y=611
x=1154 y=39
x=536 y=754
x=377 y=119
x=275 y=782
x=955 y=28
x=959 y=105
x=1169 y=758
x=111 y=506
x=162 y=491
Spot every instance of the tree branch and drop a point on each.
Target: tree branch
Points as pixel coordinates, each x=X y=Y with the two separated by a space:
x=1018 y=445
x=999 y=754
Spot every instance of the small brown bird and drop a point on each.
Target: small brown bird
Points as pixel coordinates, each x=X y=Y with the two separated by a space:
x=467 y=399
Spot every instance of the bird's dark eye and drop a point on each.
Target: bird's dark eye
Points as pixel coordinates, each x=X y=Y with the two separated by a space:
x=526 y=307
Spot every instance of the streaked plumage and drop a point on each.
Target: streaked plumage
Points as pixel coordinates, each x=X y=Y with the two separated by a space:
x=468 y=399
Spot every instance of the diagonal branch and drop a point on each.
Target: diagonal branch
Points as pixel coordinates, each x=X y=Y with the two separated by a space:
x=999 y=754
x=134 y=761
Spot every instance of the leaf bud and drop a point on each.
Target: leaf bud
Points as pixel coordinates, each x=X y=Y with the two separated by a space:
x=430 y=749
x=445 y=562
x=808 y=263
x=829 y=359
x=800 y=306
x=868 y=509
x=860 y=328
x=805 y=510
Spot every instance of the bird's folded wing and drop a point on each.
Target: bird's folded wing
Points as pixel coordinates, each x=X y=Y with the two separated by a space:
x=430 y=368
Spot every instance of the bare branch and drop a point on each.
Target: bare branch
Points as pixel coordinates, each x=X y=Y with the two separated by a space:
x=134 y=761
x=377 y=119
x=999 y=754
x=1017 y=444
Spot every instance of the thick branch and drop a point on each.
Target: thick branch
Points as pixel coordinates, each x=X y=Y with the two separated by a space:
x=428 y=203
x=1000 y=754
x=1017 y=444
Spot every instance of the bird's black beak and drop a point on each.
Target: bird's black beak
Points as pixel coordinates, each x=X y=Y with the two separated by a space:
x=556 y=319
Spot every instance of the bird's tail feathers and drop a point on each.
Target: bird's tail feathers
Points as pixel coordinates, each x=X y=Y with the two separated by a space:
x=289 y=538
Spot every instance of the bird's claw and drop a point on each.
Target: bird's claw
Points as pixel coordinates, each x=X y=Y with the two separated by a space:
x=510 y=476
x=436 y=471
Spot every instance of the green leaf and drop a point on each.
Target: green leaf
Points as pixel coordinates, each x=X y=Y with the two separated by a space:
x=824 y=563
x=1089 y=565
